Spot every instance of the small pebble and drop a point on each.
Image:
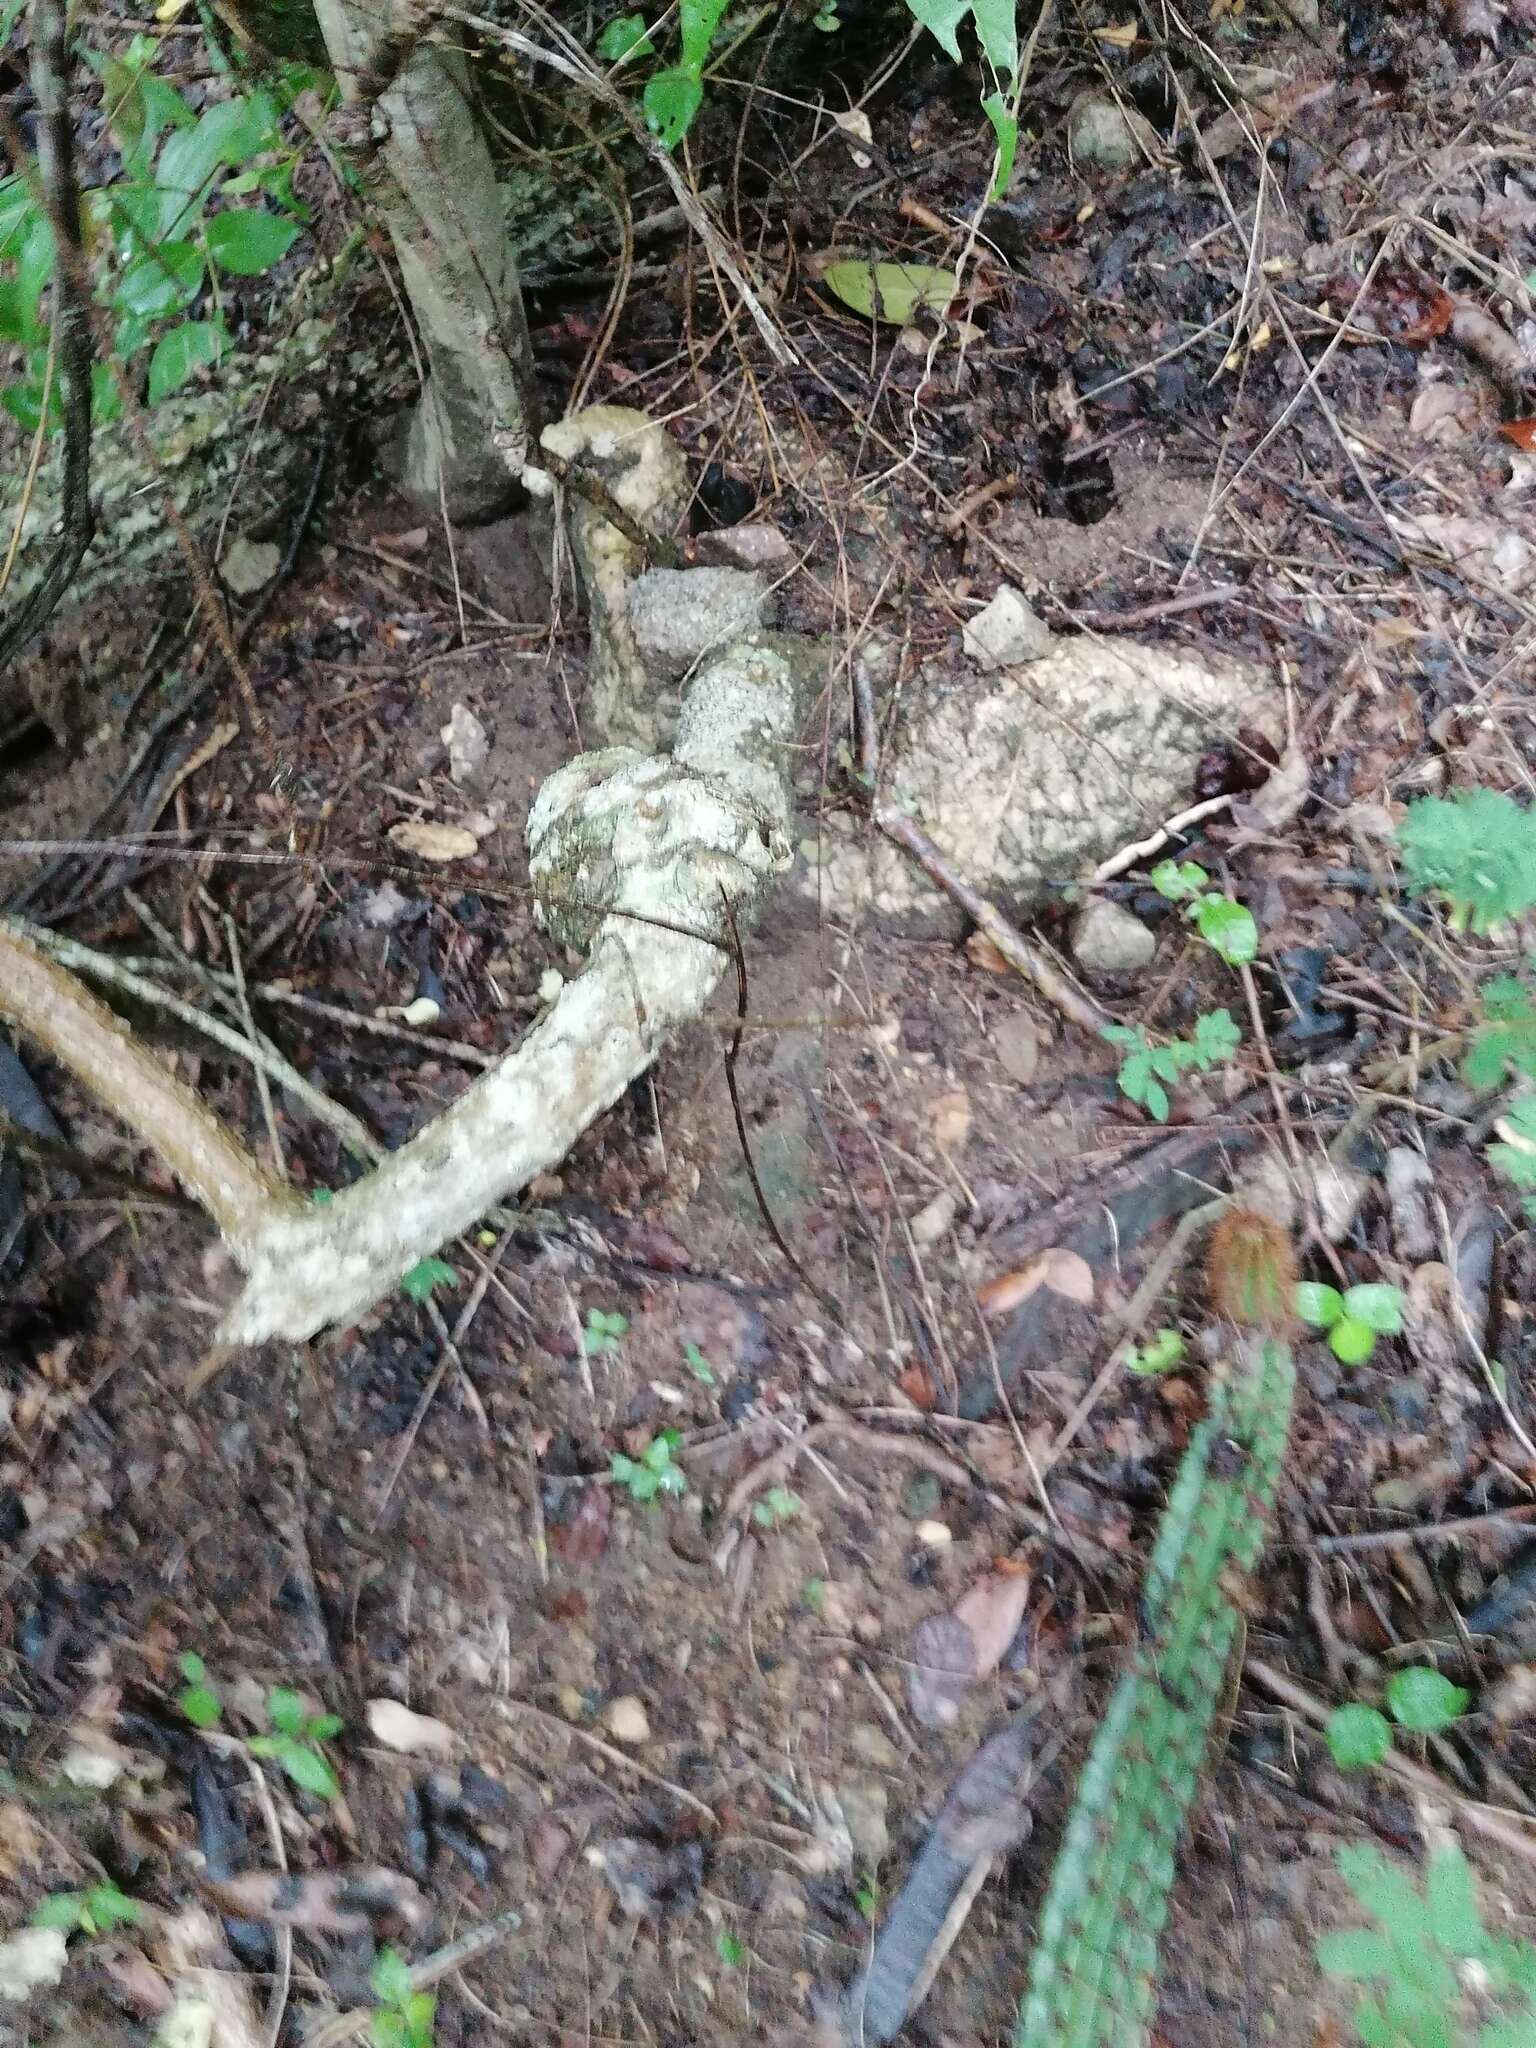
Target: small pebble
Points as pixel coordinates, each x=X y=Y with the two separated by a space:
x=626 y=1721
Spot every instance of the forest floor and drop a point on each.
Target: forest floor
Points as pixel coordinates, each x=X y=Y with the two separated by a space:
x=675 y=1752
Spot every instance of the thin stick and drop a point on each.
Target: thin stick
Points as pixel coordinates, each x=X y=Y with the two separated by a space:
x=612 y=1755
x=100 y=967
x=263 y=1085
x=1423 y=1532
x=432 y=1970
x=1077 y=1007
x=1487 y=1820
x=1128 y=856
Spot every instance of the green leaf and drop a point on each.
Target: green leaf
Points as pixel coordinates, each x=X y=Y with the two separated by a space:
x=1507 y=1036
x=1378 y=1306
x=189 y=159
x=1319 y=1305
x=163 y=280
x=286 y=1711
x=390 y=1977
x=108 y=1907
x=420 y=2011
x=1005 y=126
x=182 y=353
x=418 y=1283
x=61 y=1910
x=309 y=1770
x=729 y=1949
x=997 y=28
x=1359 y=1953
x=697 y=22
x=324 y=1727
x=34 y=267
x=1216 y=1039
x=1228 y=929
x=106 y=399
x=1450 y=1892
x=941 y=18
x=1176 y=882
x=891 y=292
x=247 y=242
x=1350 y=1342
x=623 y=37
x=388 y=2030
x=670 y=100
x=1357 y=1736
x=698 y=1365
x=1478 y=850
x=192 y=1667
x=1508 y=2033
x=200 y=1705
x=1424 y=1700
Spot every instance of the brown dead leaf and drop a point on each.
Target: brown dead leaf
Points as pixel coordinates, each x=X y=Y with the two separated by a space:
x=434 y=842
x=583 y=1538
x=1491 y=345
x=950 y=1652
x=917 y=1387
x=981 y=952
x=949 y=1119
x=1521 y=432
x=1281 y=796
x=1001 y=1296
x=1441 y=412
x=1068 y=1273
x=411 y=542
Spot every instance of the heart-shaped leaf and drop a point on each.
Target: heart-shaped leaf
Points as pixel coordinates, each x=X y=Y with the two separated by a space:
x=891 y=292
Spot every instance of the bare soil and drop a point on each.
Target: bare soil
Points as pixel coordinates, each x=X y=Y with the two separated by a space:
x=712 y=1704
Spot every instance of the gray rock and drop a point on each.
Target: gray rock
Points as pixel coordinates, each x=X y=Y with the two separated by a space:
x=1104 y=136
x=1028 y=777
x=758 y=546
x=1009 y=630
x=468 y=746
x=677 y=615
x=1109 y=940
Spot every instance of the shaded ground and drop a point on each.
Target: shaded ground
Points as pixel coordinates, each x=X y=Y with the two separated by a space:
x=376 y=1518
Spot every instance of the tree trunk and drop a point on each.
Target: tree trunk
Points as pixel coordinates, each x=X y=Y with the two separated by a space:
x=411 y=128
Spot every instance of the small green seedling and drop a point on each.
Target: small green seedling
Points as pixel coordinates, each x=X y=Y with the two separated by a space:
x=654 y=1471
x=295 y=1742
x=1353 y=1320
x=1148 y=1071
x=1226 y=927
x=867 y=1895
x=1430 y=1973
x=1418 y=1699
x=403 y=2017
x=604 y=1329
x=730 y=1951
x=96 y=1910
x=1161 y=1355
x=417 y=1285
x=1476 y=850
x=698 y=1365
x=814 y=1594
x=197 y=1698
x=777 y=1506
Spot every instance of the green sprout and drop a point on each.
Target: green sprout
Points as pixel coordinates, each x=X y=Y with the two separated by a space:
x=777 y=1506
x=96 y=1910
x=654 y=1471
x=1148 y=1071
x=295 y=1742
x=1418 y=1699
x=604 y=1329
x=698 y=1365
x=197 y=1699
x=1353 y=1320
x=730 y=1951
x=867 y=1895
x=404 y=2017
x=1226 y=927
x=417 y=1285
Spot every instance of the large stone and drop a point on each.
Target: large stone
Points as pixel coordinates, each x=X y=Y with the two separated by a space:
x=1007 y=631
x=1109 y=940
x=678 y=615
x=1029 y=777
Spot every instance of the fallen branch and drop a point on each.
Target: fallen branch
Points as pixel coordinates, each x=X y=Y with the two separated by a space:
x=652 y=848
